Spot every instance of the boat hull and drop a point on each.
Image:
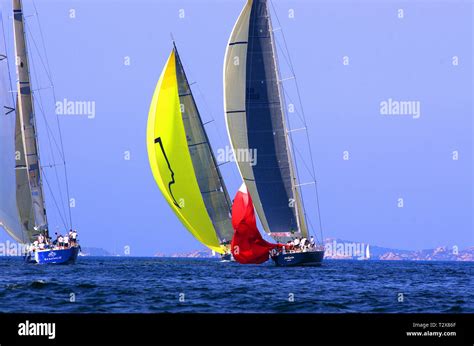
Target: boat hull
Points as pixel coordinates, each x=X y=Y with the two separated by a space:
x=310 y=259
x=61 y=256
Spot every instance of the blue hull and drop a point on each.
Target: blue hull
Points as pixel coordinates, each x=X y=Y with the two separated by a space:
x=63 y=256
x=312 y=258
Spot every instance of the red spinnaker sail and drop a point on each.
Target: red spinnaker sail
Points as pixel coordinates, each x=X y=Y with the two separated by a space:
x=248 y=246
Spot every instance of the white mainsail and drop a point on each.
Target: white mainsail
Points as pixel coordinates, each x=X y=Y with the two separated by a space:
x=9 y=218
x=27 y=121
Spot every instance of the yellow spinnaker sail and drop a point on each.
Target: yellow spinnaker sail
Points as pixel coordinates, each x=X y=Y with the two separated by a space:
x=171 y=162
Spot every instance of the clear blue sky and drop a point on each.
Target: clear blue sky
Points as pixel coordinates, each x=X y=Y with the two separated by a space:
x=409 y=59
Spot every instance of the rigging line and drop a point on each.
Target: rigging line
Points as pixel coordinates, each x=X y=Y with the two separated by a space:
x=54 y=199
x=305 y=164
x=8 y=64
x=213 y=158
x=44 y=113
x=318 y=240
x=49 y=134
x=33 y=106
x=37 y=49
x=294 y=167
x=211 y=115
x=302 y=111
x=57 y=121
x=287 y=94
x=54 y=164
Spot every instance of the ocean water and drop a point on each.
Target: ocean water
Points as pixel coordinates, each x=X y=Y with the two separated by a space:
x=152 y=285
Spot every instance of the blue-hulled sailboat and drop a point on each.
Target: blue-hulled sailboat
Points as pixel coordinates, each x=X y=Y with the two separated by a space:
x=22 y=207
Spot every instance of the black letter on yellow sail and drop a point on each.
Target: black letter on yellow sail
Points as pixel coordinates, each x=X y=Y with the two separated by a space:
x=172 y=181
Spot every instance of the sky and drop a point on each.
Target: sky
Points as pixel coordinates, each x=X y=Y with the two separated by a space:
x=349 y=57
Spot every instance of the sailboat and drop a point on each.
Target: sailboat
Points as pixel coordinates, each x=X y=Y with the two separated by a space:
x=366 y=254
x=183 y=163
x=256 y=123
x=22 y=206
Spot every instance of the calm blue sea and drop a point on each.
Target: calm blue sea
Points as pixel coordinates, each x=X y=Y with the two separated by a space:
x=150 y=285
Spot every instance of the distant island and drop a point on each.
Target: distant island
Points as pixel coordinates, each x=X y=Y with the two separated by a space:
x=205 y=253
x=343 y=249
x=441 y=253
x=94 y=251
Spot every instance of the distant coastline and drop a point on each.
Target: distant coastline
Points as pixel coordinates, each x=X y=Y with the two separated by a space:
x=441 y=253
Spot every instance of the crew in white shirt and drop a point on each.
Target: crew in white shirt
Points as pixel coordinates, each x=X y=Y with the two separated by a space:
x=74 y=237
x=60 y=241
x=66 y=241
x=303 y=243
x=296 y=242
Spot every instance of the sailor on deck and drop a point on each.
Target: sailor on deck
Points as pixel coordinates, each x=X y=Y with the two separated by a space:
x=73 y=237
x=66 y=241
x=296 y=242
x=303 y=244
x=60 y=241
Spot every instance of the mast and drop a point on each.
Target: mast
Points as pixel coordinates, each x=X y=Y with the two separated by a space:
x=27 y=119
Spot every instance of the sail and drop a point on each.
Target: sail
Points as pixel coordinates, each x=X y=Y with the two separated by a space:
x=8 y=207
x=367 y=252
x=23 y=193
x=27 y=126
x=256 y=122
x=213 y=190
x=248 y=246
x=181 y=159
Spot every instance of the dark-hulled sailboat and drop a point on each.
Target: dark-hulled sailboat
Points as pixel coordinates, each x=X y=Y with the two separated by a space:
x=255 y=117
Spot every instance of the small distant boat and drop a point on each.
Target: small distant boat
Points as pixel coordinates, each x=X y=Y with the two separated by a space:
x=227 y=257
x=366 y=255
x=257 y=124
x=183 y=163
x=22 y=207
